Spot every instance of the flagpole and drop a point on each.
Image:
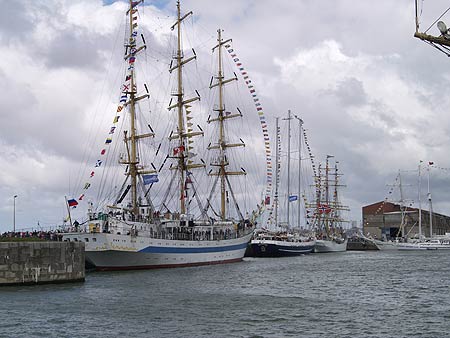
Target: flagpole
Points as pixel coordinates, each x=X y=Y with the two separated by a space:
x=68 y=210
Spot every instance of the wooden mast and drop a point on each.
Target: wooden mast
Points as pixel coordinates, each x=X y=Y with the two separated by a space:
x=133 y=158
x=181 y=134
x=222 y=162
x=131 y=140
x=277 y=169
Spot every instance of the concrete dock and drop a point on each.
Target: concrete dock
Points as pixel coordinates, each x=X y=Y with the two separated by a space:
x=25 y=263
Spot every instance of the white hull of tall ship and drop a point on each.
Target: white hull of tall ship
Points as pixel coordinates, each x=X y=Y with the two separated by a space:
x=432 y=244
x=119 y=251
x=325 y=245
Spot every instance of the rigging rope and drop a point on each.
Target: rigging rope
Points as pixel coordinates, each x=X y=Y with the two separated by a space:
x=262 y=120
x=448 y=9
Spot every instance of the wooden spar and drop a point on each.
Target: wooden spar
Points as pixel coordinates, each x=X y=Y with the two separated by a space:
x=221 y=117
x=133 y=154
x=181 y=134
x=440 y=40
x=417 y=17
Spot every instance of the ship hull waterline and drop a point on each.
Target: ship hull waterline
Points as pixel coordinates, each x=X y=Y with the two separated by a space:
x=129 y=253
x=261 y=248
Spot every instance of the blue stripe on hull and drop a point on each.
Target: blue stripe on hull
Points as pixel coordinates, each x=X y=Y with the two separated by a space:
x=273 y=250
x=181 y=250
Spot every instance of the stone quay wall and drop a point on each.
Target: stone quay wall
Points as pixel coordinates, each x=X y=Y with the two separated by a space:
x=41 y=262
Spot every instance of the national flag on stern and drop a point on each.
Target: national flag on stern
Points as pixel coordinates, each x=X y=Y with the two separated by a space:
x=72 y=202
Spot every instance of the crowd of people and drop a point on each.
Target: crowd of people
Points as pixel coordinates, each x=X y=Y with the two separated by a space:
x=51 y=235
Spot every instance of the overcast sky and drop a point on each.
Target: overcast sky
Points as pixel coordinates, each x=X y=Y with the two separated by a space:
x=369 y=92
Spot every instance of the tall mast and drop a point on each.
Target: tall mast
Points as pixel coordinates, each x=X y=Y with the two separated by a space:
x=181 y=134
x=402 y=206
x=335 y=196
x=300 y=132
x=133 y=159
x=288 y=164
x=327 y=187
x=318 y=185
x=131 y=139
x=277 y=168
x=420 y=203
x=222 y=144
x=430 y=203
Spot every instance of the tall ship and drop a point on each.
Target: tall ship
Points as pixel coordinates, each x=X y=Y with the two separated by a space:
x=402 y=242
x=326 y=210
x=269 y=242
x=158 y=218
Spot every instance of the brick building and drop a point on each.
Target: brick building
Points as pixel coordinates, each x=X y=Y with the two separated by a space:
x=383 y=219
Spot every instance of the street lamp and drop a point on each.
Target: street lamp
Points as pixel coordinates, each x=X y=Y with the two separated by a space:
x=14 y=213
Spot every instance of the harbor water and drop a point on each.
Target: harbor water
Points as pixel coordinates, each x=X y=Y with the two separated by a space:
x=351 y=294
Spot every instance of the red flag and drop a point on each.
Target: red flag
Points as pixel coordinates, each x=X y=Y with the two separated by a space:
x=177 y=150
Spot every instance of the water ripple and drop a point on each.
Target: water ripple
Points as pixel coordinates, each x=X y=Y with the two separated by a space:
x=354 y=294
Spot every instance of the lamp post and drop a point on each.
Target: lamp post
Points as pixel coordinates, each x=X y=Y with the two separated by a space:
x=14 y=214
